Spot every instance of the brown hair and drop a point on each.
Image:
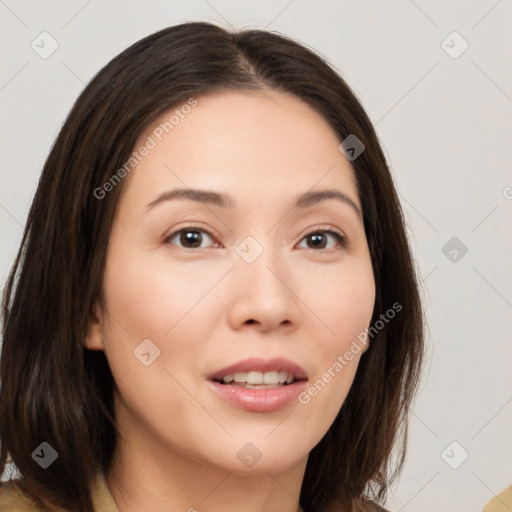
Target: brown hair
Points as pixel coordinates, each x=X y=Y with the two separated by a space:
x=53 y=389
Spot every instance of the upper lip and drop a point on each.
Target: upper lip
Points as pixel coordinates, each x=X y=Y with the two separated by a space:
x=257 y=364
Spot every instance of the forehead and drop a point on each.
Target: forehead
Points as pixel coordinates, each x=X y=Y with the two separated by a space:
x=254 y=146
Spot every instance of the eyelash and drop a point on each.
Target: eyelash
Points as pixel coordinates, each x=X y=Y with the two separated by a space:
x=342 y=241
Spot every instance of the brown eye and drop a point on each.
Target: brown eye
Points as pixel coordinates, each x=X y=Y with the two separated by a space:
x=190 y=237
x=319 y=239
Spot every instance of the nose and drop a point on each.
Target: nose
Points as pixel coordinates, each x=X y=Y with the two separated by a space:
x=263 y=294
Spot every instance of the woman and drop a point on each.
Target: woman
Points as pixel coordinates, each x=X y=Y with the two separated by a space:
x=214 y=305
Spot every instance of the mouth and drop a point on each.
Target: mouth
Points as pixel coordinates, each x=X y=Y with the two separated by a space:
x=259 y=372
x=259 y=385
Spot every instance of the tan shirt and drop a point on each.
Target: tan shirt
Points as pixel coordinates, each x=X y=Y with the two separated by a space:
x=13 y=500
x=501 y=503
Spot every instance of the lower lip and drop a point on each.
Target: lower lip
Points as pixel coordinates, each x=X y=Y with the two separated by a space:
x=259 y=400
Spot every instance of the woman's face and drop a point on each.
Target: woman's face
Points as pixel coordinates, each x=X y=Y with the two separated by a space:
x=256 y=278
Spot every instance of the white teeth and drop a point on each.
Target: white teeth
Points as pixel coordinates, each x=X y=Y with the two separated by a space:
x=270 y=378
x=255 y=378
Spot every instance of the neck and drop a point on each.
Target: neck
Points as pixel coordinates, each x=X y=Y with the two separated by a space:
x=146 y=474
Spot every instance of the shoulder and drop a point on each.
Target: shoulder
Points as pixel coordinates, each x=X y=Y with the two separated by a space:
x=13 y=499
x=501 y=502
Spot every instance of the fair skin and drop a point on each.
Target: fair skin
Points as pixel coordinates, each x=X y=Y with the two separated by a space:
x=205 y=307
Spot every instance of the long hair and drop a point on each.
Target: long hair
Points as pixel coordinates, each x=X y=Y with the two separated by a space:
x=55 y=390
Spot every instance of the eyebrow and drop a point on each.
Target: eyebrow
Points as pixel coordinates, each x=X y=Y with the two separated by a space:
x=306 y=200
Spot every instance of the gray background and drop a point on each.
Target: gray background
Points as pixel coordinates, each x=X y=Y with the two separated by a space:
x=445 y=121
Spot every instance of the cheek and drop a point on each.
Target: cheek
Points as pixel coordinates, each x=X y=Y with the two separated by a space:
x=344 y=304
x=151 y=298
x=342 y=299
x=146 y=301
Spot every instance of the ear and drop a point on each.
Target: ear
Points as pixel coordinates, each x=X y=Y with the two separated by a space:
x=94 y=338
